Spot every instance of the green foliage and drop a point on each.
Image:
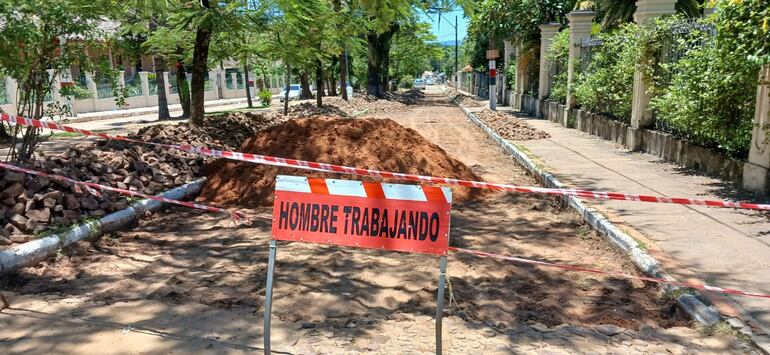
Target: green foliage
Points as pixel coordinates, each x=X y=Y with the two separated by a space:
x=743 y=26
x=407 y=81
x=265 y=97
x=558 y=55
x=502 y=18
x=412 y=52
x=606 y=85
x=31 y=43
x=76 y=92
x=711 y=97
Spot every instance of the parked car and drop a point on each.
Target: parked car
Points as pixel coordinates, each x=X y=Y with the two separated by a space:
x=419 y=84
x=429 y=81
x=294 y=91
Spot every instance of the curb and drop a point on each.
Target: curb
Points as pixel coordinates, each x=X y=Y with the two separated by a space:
x=692 y=305
x=38 y=250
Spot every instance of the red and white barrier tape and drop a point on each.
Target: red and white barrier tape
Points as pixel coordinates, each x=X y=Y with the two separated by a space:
x=235 y=215
x=339 y=169
x=609 y=273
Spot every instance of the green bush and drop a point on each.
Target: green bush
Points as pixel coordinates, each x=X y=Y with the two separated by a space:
x=76 y=92
x=265 y=97
x=606 y=86
x=407 y=81
x=558 y=55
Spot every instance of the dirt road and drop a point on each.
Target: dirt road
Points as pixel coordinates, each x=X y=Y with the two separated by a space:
x=184 y=281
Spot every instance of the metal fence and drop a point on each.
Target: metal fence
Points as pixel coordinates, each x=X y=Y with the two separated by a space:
x=587 y=46
x=683 y=37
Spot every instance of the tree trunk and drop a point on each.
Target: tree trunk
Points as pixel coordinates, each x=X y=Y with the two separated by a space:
x=288 y=83
x=304 y=83
x=160 y=80
x=337 y=5
x=246 y=82
x=344 y=76
x=319 y=84
x=199 y=68
x=183 y=89
x=379 y=59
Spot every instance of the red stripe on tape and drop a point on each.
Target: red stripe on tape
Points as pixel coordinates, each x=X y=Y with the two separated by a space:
x=307 y=165
x=237 y=216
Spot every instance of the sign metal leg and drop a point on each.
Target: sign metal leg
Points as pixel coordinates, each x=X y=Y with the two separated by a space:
x=440 y=301
x=269 y=296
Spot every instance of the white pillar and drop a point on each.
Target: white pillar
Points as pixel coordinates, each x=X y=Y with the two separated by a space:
x=55 y=85
x=755 y=170
x=145 y=87
x=213 y=80
x=11 y=88
x=234 y=79
x=580 y=23
x=167 y=87
x=641 y=115
x=547 y=32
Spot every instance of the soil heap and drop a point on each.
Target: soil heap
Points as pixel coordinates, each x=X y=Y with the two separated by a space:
x=334 y=106
x=510 y=127
x=368 y=143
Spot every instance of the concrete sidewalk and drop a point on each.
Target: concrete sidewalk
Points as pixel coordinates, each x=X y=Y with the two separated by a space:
x=723 y=247
x=142 y=111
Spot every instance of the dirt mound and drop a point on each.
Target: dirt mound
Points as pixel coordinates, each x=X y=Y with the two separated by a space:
x=369 y=143
x=510 y=127
x=461 y=99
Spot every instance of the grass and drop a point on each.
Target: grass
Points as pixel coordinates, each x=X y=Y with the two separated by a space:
x=583 y=232
x=723 y=328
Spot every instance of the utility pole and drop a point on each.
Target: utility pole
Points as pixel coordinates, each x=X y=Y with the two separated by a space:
x=457 y=46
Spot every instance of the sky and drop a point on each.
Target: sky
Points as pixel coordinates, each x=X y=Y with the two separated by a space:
x=447 y=31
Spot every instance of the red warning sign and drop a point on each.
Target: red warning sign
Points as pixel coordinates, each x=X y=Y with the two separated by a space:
x=408 y=218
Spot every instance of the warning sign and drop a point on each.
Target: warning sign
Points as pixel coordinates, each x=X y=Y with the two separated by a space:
x=398 y=217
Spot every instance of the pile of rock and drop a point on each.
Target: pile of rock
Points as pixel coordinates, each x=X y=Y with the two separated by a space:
x=510 y=127
x=29 y=205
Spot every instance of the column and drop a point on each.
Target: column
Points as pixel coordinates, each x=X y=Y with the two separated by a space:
x=11 y=86
x=547 y=32
x=145 y=87
x=167 y=87
x=55 y=85
x=214 y=82
x=507 y=49
x=522 y=79
x=641 y=115
x=234 y=79
x=755 y=170
x=580 y=23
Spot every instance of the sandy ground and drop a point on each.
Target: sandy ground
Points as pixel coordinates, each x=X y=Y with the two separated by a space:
x=184 y=281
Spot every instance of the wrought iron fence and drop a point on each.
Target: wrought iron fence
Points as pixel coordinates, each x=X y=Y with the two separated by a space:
x=587 y=46
x=682 y=38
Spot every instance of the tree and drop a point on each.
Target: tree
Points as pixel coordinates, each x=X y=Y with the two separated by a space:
x=205 y=18
x=172 y=45
x=41 y=35
x=141 y=18
x=412 y=51
x=613 y=13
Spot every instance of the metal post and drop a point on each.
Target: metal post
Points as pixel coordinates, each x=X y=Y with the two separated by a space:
x=492 y=89
x=269 y=295
x=440 y=301
x=457 y=45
